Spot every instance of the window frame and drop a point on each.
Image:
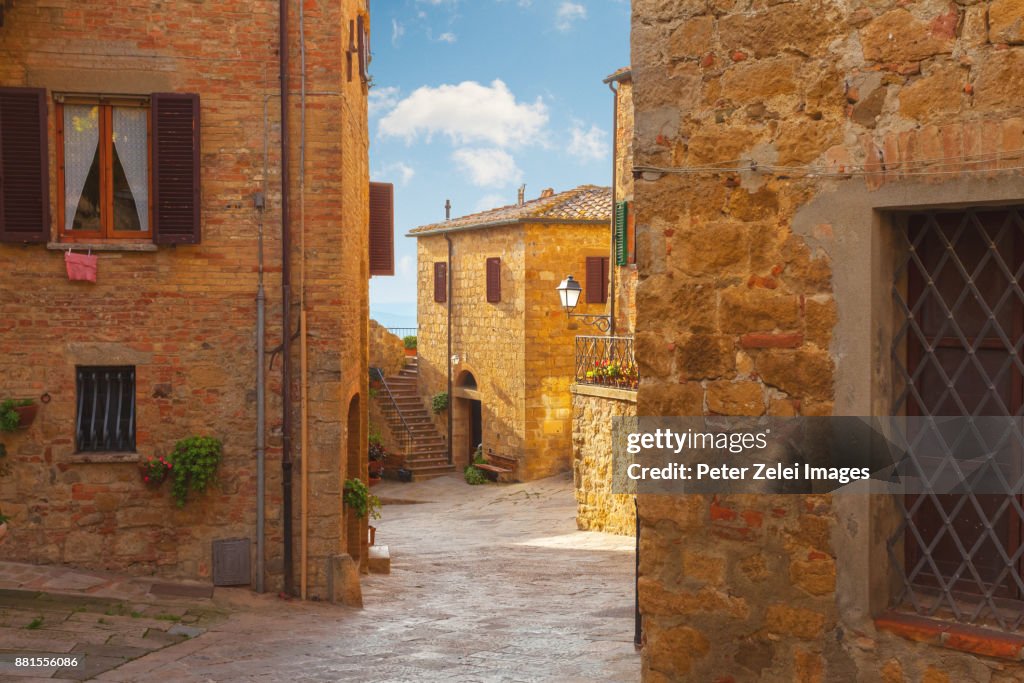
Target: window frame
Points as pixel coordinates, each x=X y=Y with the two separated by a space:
x=106 y=234
x=93 y=371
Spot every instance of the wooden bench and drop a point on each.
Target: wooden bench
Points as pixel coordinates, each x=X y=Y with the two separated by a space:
x=494 y=465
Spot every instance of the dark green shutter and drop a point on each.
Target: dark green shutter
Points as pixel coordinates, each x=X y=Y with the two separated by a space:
x=621 y=248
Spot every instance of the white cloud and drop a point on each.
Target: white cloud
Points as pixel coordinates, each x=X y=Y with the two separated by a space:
x=447 y=37
x=406 y=266
x=491 y=201
x=467 y=113
x=488 y=166
x=397 y=31
x=569 y=13
x=588 y=145
x=382 y=99
x=398 y=172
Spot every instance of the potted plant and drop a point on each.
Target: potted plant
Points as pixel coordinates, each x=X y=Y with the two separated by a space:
x=377 y=455
x=17 y=414
x=410 y=344
x=439 y=403
x=3 y=526
x=192 y=465
x=154 y=471
x=357 y=496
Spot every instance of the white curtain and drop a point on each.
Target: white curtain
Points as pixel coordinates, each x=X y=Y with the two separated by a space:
x=130 y=131
x=81 y=140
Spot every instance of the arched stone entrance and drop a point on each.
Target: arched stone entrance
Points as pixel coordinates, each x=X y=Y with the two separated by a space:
x=467 y=418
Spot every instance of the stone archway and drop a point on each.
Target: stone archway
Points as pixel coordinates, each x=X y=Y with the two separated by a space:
x=467 y=418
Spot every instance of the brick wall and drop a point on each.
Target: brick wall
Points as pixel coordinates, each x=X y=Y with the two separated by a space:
x=185 y=316
x=767 y=293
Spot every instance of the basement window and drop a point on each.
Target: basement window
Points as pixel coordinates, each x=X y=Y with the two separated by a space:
x=105 y=420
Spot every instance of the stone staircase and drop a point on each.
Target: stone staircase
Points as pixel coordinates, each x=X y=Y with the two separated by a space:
x=427 y=452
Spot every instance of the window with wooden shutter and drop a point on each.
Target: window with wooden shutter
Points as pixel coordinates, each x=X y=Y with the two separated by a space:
x=597 y=279
x=630 y=233
x=440 y=282
x=363 y=37
x=24 y=175
x=621 y=239
x=493 y=280
x=176 y=168
x=382 y=229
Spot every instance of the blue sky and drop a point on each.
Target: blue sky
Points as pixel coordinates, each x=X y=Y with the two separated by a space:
x=472 y=98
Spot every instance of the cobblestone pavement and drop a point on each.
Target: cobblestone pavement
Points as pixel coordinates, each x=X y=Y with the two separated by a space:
x=487 y=583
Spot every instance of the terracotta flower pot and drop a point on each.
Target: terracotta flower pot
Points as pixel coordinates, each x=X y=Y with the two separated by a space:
x=26 y=415
x=410 y=352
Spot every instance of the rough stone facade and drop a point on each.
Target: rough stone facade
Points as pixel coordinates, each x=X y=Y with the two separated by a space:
x=387 y=351
x=625 y=276
x=185 y=316
x=597 y=508
x=768 y=291
x=520 y=351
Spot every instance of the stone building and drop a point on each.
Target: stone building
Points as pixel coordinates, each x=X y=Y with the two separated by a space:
x=150 y=136
x=595 y=405
x=492 y=278
x=806 y=172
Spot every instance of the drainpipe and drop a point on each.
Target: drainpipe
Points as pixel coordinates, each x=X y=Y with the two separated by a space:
x=451 y=403
x=286 y=305
x=615 y=172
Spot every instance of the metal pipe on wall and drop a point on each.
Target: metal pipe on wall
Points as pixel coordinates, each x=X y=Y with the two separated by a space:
x=286 y=304
x=451 y=402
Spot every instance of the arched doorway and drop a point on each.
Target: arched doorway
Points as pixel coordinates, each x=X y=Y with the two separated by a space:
x=467 y=419
x=355 y=528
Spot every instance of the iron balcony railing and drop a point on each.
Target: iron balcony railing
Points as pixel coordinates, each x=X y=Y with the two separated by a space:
x=400 y=429
x=606 y=361
x=402 y=332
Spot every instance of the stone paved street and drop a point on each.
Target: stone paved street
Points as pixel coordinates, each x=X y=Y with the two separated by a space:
x=488 y=583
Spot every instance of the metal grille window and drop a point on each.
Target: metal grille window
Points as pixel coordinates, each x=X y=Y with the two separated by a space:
x=957 y=353
x=106 y=409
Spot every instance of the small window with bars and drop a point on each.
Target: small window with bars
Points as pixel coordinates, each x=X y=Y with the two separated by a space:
x=105 y=419
x=958 y=353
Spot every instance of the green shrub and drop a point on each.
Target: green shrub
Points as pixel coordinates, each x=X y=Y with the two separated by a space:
x=409 y=341
x=194 y=463
x=358 y=497
x=9 y=417
x=474 y=476
x=440 y=402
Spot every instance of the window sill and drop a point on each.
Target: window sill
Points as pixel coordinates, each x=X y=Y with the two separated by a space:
x=124 y=245
x=91 y=458
x=953 y=636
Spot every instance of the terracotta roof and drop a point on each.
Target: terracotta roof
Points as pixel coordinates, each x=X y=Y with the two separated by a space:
x=585 y=204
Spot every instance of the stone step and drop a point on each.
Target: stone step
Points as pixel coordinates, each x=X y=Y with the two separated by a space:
x=379 y=559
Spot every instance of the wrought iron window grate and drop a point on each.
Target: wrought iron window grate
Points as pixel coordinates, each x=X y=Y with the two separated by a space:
x=106 y=409
x=957 y=352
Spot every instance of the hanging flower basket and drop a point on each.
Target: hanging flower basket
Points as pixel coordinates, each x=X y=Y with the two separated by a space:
x=26 y=415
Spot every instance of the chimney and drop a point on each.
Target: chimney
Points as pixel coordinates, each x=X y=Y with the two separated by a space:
x=447 y=209
x=522 y=194
x=547 y=192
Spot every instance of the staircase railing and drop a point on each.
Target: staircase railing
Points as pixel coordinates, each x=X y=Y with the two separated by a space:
x=400 y=429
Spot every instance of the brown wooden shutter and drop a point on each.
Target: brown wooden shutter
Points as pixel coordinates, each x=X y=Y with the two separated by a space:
x=440 y=282
x=631 y=233
x=382 y=229
x=597 y=279
x=175 y=168
x=364 y=48
x=24 y=171
x=493 y=280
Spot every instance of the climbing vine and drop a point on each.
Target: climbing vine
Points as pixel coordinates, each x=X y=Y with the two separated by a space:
x=194 y=465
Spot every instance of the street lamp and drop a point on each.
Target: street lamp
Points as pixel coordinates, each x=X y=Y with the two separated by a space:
x=569 y=292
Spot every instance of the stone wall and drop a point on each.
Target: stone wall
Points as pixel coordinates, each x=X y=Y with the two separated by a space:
x=625 y=276
x=767 y=292
x=185 y=316
x=387 y=351
x=597 y=508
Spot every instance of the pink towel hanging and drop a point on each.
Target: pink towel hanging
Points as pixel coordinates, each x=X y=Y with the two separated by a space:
x=80 y=266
